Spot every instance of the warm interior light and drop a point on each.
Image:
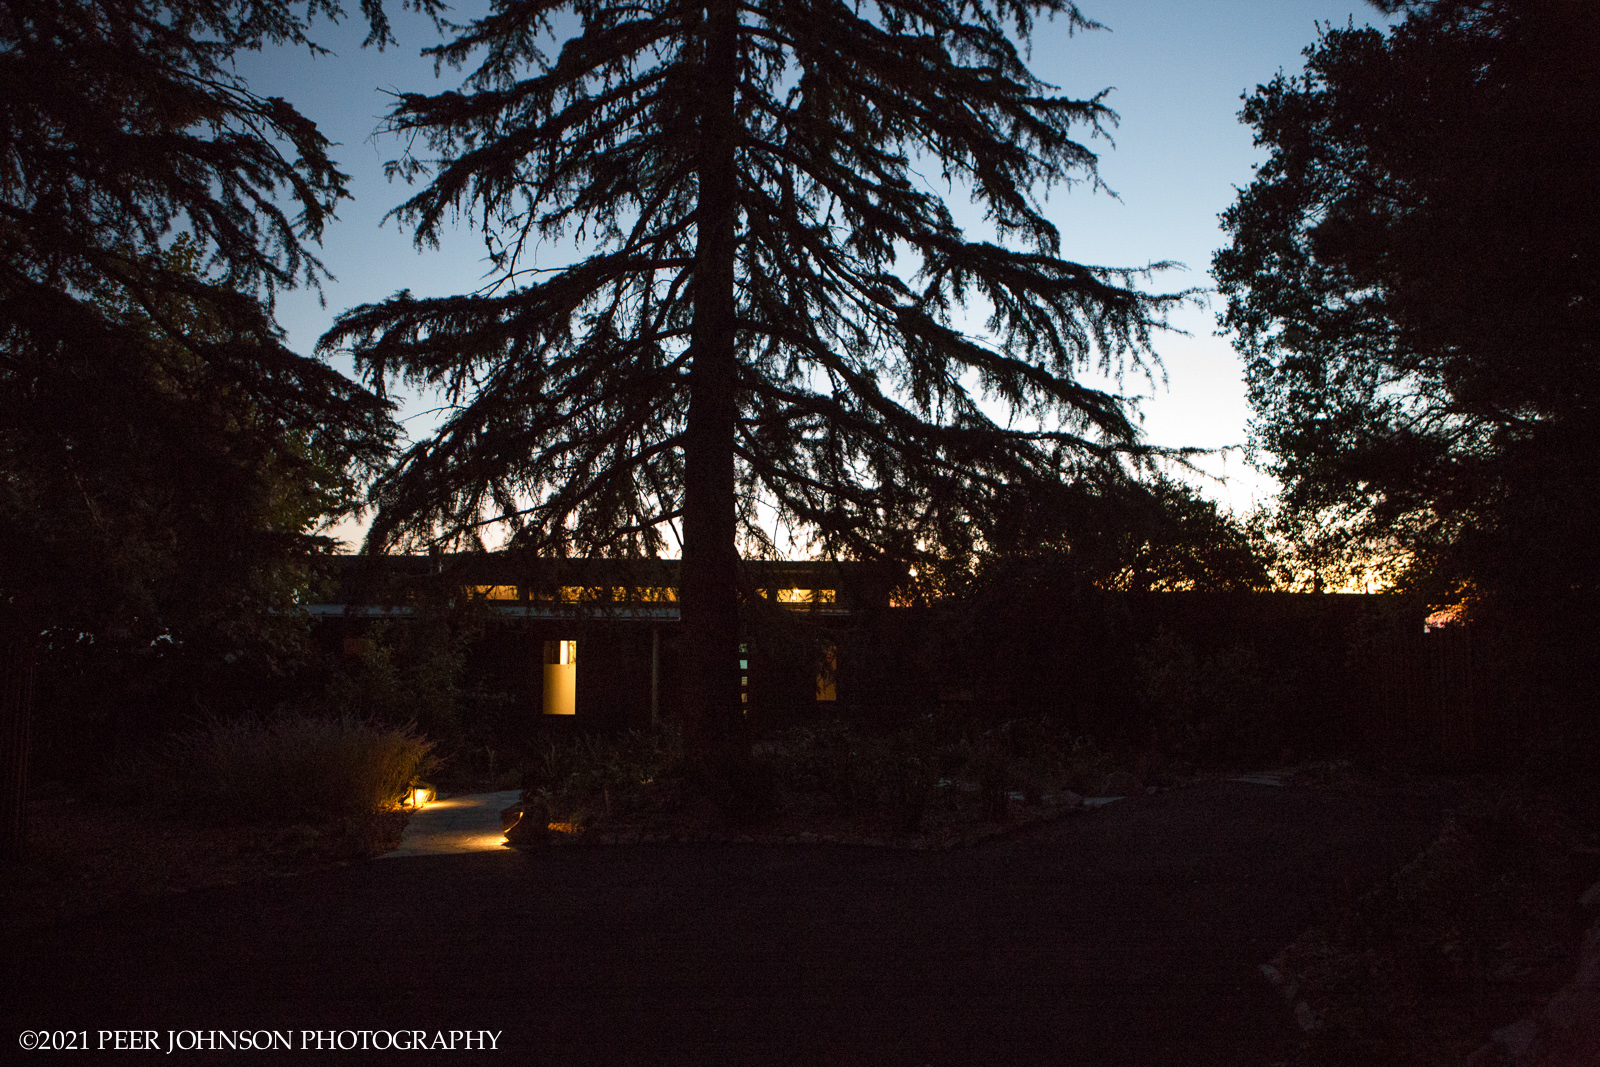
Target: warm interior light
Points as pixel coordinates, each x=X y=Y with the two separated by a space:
x=560 y=677
x=805 y=596
x=1451 y=615
x=827 y=677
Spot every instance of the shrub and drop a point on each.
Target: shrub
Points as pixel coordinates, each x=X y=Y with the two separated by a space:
x=1472 y=934
x=289 y=767
x=585 y=780
x=1224 y=706
x=829 y=770
x=422 y=670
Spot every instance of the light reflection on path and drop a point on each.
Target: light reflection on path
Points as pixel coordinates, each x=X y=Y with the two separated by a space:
x=468 y=823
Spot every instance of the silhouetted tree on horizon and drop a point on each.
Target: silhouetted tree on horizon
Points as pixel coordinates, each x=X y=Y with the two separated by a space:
x=1413 y=279
x=768 y=313
x=1112 y=533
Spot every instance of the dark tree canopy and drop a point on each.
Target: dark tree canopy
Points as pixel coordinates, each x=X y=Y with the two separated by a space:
x=769 y=312
x=1115 y=533
x=1413 y=278
x=854 y=415
x=162 y=452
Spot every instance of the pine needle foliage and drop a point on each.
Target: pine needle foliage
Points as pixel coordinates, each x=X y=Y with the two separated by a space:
x=857 y=389
x=767 y=311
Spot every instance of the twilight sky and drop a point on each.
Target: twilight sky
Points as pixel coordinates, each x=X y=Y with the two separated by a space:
x=1176 y=69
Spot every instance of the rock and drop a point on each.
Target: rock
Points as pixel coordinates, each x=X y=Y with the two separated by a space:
x=1286 y=986
x=532 y=828
x=1121 y=784
x=1517 y=1038
x=509 y=817
x=527 y=834
x=1566 y=1033
x=1590 y=901
x=1589 y=959
x=1081 y=780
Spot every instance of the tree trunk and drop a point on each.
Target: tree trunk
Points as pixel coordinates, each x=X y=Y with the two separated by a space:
x=16 y=708
x=717 y=742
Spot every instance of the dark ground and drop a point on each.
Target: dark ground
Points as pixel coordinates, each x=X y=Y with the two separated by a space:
x=1125 y=936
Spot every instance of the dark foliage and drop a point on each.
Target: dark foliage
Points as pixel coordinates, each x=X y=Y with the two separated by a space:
x=1413 y=278
x=163 y=454
x=771 y=313
x=1116 y=533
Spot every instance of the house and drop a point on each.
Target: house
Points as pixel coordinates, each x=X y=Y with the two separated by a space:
x=595 y=643
x=597 y=639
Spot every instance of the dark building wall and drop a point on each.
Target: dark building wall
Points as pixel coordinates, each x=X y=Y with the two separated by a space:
x=1252 y=674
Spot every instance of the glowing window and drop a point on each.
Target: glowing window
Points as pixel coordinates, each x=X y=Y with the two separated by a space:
x=493 y=592
x=828 y=675
x=591 y=593
x=805 y=596
x=560 y=677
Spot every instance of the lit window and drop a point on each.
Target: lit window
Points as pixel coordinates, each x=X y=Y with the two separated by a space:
x=560 y=677
x=493 y=592
x=805 y=596
x=828 y=675
x=591 y=593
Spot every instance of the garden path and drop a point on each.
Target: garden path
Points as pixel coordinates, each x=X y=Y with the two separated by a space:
x=468 y=823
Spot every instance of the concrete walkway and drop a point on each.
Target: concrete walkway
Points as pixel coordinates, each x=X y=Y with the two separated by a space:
x=469 y=823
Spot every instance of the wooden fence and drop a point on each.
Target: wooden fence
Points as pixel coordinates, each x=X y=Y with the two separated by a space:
x=1425 y=703
x=1342 y=676
x=1473 y=696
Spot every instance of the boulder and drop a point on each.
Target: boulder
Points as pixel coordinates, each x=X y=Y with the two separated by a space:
x=531 y=827
x=1566 y=1033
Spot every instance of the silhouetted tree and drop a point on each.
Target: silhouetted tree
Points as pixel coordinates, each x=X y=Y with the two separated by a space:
x=1114 y=533
x=771 y=314
x=162 y=452
x=1413 y=278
